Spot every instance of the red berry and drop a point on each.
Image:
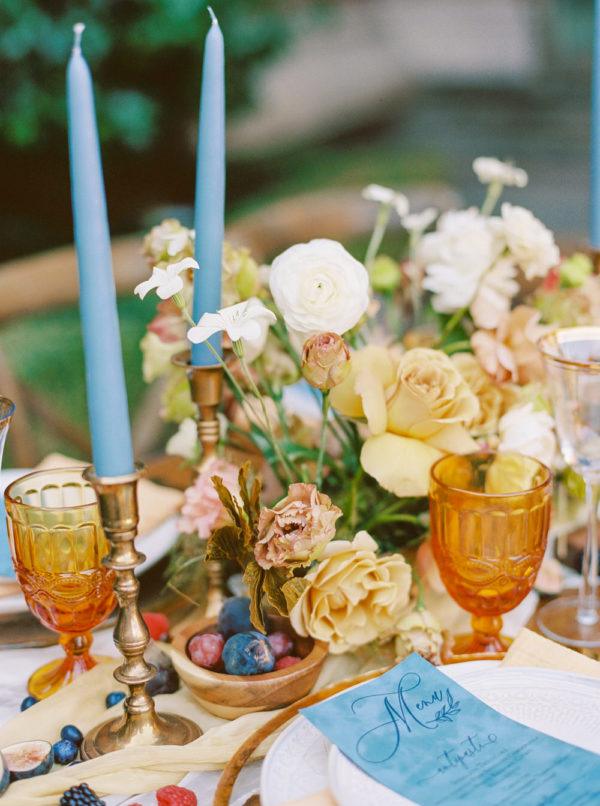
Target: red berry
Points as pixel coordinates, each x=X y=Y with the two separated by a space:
x=281 y=644
x=288 y=660
x=158 y=625
x=175 y=796
x=206 y=649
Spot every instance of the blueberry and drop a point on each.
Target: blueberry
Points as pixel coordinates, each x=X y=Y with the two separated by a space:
x=113 y=698
x=248 y=653
x=28 y=702
x=65 y=751
x=72 y=733
x=234 y=616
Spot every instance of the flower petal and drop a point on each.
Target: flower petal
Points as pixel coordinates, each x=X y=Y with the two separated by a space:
x=209 y=324
x=182 y=265
x=344 y=397
x=143 y=288
x=401 y=465
x=453 y=438
x=372 y=392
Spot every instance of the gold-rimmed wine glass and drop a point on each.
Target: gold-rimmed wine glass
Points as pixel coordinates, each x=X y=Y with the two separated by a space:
x=57 y=546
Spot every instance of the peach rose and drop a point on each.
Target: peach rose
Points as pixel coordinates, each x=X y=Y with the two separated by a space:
x=354 y=596
x=297 y=529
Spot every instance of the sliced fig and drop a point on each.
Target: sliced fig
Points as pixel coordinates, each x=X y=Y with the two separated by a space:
x=28 y=759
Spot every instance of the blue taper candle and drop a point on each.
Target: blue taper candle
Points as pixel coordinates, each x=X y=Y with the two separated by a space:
x=594 y=212
x=209 y=213
x=105 y=378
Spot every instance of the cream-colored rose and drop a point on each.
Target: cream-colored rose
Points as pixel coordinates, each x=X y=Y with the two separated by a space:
x=318 y=287
x=419 y=631
x=417 y=408
x=488 y=393
x=353 y=596
x=296 y=530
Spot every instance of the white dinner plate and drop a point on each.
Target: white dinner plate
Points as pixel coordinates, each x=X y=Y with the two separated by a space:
x=154 y=544
x=302 y=761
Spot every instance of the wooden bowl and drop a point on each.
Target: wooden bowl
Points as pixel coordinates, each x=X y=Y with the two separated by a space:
x=232 y=695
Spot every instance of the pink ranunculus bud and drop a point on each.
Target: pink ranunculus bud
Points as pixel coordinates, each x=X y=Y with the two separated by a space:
x=325 y=360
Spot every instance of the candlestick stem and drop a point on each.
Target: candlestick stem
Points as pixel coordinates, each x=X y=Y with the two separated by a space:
x=140 y=725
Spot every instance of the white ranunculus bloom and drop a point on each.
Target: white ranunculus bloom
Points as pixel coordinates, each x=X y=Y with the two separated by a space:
x=531 y=244
x=524 y=430
x=247 y=321
x=495 y=291
x=184 y=442
x=456 y=256
x=167 y=282
x=319 y=287
x=490 y=169
x=418 y=222
x=383 y=195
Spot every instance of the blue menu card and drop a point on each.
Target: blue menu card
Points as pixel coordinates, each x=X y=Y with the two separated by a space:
x=422 y=735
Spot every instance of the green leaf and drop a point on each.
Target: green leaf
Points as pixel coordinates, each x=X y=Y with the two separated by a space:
x=293 y=590
x=275 y=579
x=253 y=579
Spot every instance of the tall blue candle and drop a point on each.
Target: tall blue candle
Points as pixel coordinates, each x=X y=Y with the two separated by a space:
x=105 y=378
x=595 y=137
x=209 y=211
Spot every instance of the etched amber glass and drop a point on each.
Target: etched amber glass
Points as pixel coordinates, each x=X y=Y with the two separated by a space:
x=489 y=524
x=57 y=545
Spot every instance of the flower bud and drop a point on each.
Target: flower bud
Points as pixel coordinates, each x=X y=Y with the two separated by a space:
x=325 y=360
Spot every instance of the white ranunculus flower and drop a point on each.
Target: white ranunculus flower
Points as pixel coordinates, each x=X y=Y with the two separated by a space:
x=184 y=442
x=524 y=430
x=495 y=291
x=247 y=321
x=319 y=287
x=529 y=241
x=490 y=169
x=456 y=256
x=383 y=195
x=418 y=222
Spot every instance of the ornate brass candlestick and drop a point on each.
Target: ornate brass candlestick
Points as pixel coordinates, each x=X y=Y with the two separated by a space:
x=140 y=725
x=206 y=385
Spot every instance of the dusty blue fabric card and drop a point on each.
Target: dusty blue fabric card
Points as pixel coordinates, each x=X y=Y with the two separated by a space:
x=421 y=734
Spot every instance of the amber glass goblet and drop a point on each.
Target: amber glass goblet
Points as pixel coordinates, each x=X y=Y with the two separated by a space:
x=489 y=524
x=57 y=545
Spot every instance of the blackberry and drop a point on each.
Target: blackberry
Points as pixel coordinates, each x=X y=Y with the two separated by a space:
x=81 y=795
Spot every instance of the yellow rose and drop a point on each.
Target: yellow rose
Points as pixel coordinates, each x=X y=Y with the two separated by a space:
x=488 y=393
x=417 y=407
x=353 y=596
x=419 y=631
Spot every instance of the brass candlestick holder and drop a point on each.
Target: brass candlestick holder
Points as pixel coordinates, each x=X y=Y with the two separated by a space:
x=140 y=725
x=206 y=385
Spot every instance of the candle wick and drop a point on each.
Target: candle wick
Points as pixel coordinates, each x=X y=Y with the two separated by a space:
x=78 y=30
x=213 y=16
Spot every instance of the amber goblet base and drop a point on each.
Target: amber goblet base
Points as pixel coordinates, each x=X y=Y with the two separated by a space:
x=485 y=642
x=58 y=673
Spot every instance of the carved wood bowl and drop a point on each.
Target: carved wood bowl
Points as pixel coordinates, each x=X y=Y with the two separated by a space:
x=230 y=696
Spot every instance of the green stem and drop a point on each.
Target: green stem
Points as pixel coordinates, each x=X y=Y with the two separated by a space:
x=493 y=194
x=381 y=222
x=420 y=605
x=453 y=322
x=325 y=410
x=456 y=347
x=354 y=497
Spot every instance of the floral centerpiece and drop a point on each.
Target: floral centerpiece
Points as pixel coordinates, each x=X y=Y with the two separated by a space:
x=347 y=380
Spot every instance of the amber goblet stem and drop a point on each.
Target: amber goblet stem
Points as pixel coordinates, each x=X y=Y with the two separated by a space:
x=206 y=386
x=140 y=724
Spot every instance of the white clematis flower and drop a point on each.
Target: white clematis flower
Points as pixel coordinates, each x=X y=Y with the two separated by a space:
x=531 y=244
x=167 y=282
x=495 y=291
x=246 y=321
x=319 y=287
x=418 y=222
x=524 y=430
x=490 y=169
x=383 y=195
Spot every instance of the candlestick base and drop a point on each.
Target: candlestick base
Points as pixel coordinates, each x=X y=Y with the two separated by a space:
x=139 y=725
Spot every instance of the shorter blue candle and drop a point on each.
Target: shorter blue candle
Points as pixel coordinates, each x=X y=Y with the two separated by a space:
x=209 y=213
x=105 y=378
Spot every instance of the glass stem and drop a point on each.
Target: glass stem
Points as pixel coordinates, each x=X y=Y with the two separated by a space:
x=587 y=611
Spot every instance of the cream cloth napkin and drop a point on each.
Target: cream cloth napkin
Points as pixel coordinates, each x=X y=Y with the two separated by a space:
x=136 y=770
x=531 y=649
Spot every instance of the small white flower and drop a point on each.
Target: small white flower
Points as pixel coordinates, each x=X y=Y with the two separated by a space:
x=319 y=287
x=184 y=442
x=495 y=291
x=383 y=195
x=490 y=169
x=524 y=430
x=168 y=239
x=531 y=244
x=247 y=321
x=418 y=222
x=167 y=282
